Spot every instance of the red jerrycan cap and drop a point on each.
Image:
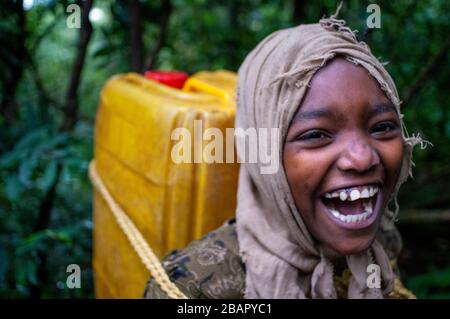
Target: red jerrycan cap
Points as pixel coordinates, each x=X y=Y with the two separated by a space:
x=174 y=79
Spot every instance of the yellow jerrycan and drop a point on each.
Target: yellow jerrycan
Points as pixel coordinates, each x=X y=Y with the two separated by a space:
x=170 y=202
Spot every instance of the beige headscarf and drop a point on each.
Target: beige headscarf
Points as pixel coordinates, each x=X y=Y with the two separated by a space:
x=282 y=259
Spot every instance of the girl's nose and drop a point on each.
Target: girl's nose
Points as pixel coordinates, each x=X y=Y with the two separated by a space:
x=358 y=156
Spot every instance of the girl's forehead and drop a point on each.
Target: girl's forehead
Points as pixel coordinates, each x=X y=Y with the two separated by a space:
x=342 y=82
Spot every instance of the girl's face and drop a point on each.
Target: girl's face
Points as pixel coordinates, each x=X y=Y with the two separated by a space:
x=342 y=156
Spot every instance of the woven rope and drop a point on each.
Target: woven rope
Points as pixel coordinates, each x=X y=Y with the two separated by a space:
x=139 y=244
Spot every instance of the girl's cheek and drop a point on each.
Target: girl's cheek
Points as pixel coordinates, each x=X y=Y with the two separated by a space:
x=392 y=157
x=304 y=171
x=394 y=154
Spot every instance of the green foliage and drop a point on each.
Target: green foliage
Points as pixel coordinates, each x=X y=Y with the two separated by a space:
x=37 y=157
x=433 y=284
x=30 y=170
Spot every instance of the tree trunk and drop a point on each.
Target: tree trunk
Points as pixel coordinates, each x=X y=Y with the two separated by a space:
x=427 y=72
x=13 y=74
x=166 y=12
x=298 y=12
x=135 y=36
x=45 y=210
x=71 y=107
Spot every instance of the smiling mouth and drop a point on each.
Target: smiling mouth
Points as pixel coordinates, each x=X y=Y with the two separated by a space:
x=352 y=206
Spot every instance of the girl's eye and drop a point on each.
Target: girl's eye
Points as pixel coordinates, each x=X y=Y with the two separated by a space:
x=384 y=127
x=313 y=136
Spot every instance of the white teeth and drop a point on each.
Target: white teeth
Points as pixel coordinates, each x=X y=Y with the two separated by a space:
x=368 y=209
x=332 y=195
x=373 y=191
x=354 y=195
x=334 y=212
x=365 y=193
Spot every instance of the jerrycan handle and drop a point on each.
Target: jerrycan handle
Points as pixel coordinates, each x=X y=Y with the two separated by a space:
x=193 y=84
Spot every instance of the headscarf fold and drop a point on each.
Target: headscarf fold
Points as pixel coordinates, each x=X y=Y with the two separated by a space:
x=282 y=259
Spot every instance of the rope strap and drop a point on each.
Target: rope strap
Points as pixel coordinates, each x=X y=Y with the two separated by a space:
x=137 y=241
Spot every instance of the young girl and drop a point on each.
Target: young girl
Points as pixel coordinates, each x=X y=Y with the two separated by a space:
x=319 y=227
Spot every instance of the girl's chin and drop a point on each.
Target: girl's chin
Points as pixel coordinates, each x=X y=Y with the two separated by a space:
x=348 y=248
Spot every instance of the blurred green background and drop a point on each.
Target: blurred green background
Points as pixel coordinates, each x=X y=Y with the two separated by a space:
x=51 y=76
